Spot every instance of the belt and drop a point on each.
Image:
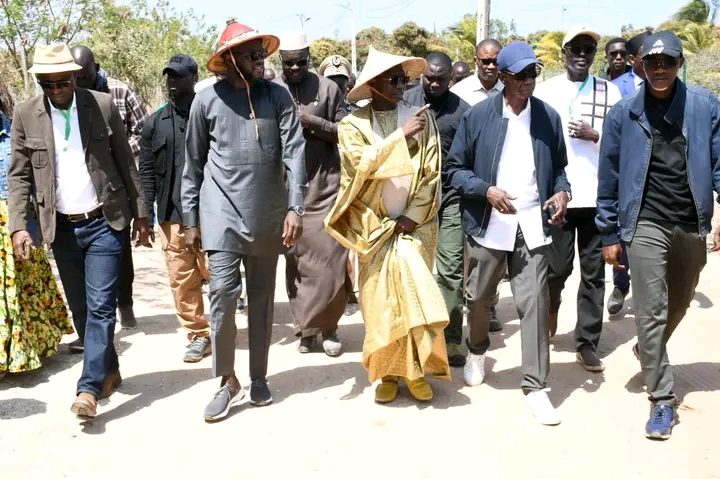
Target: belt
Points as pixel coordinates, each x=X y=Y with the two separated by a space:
x=82 y=216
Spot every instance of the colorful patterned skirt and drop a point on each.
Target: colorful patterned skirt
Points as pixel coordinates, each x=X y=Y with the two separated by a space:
x=33 y=316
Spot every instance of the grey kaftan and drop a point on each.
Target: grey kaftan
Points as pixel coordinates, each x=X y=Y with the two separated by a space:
x=233 y=184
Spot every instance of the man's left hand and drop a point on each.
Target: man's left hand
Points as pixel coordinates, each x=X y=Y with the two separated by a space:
x=292 y=229
x=716 y=240
x=559 y=203
x=142 y=233
x=582 y=130
x=305 y=118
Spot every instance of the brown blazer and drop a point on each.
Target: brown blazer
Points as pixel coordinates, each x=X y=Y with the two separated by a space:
x=108 y=157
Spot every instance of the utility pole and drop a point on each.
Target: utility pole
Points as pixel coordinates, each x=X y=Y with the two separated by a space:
x=562 y=18
x=353 y=43
x=303 y=19
x=483 y=21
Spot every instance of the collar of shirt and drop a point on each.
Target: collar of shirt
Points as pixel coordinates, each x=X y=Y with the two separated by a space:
x=73 y=105
x=636 y=79
x=508 y=113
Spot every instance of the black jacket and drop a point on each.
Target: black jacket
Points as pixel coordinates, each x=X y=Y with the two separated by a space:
x=471 y=166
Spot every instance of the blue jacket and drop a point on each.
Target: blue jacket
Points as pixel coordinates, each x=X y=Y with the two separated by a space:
x=471 y=166
x=626 y=83
x=625 y=158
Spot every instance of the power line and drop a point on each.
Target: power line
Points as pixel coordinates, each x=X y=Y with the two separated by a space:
x=408 y=4
x=386 y=7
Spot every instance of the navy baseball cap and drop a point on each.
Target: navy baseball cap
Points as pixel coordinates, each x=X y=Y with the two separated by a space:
x=516 y=56
x=662 y=43
x=182 y=64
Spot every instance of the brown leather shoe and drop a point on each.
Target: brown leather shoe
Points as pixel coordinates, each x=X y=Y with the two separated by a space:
x=552 y=324
x=112 y=382
x=85 y=406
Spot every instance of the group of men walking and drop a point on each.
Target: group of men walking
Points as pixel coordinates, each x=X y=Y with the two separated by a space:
x=483 y=175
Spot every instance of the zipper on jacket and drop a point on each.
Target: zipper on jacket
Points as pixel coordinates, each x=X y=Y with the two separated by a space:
x=647 y=169
x=687 y=167
x=492 y=167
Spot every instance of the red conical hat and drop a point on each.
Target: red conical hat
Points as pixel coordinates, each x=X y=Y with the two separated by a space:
x=236 y=34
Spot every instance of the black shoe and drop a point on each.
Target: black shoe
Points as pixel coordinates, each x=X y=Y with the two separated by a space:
x=76 y=346
x=260 y=393
x=589 y=359
x=306 y=344
x=127 y=317
x=495 y=324
x=616 y=301
x=456 y=359
x=241 y=304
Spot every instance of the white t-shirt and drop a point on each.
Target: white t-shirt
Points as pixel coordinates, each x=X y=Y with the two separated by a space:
x=589 y=101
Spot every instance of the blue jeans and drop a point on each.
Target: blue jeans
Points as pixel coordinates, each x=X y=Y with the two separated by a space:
x=88 y=256
x=621 y=277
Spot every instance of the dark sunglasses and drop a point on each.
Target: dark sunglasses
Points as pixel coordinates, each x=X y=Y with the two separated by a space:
x=396 y=80
x=655 y=61
x=488 y=61
x=51 y=85
x=298 y=63
x=253 y=56
x=616 y=53
x=580 y=49
x=532 y=72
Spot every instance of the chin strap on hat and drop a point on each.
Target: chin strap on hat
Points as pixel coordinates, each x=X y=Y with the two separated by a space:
x=247 y=85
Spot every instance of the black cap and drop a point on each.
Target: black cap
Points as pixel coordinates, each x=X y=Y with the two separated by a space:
x=182 y=64
x=662 y=43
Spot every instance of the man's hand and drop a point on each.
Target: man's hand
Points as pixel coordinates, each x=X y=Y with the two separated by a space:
x=716 y=240
x=192 y=240
x=612 y=255
x=500 y=200
x=582 y=130
x=559 y=203
x=416 y=123
x=304 y=118
x=142 y=232
x=292 y=229
x=19 y=240
x=405 y=225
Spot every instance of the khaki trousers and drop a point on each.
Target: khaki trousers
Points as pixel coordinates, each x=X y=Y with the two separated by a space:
x=186 y=272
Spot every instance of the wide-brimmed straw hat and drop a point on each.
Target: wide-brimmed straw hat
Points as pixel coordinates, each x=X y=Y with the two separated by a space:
x=379 y=62
x=55 y=58
x=236 y=34
x=335 y=65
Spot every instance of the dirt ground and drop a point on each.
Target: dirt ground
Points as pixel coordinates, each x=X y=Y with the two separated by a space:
x=324 y=422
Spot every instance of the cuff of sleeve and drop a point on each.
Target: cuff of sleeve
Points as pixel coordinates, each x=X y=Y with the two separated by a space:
x=611 y=239
x=190 y=219
x=483 y=188
x=295 y=199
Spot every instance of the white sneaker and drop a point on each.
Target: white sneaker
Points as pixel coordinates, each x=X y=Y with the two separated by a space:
x=542 y=408
x=474 y=372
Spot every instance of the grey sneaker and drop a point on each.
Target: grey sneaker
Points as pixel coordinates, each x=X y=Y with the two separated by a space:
x=331 y=344
x=224 y=399
x=616 y=301
x=127 y=317
x=306 y=344
x=495 y=324
x=198 y=349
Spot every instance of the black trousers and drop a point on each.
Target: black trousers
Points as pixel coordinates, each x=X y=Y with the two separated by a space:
x=580 y=227
x=127 y=274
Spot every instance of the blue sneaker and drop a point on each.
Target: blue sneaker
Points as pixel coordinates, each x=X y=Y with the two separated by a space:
x=662 y=419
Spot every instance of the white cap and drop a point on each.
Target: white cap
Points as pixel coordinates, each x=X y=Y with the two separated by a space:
x=578 y=30
x=291 y=41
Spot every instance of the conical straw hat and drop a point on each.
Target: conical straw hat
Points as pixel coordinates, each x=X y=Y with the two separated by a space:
x=379 y=62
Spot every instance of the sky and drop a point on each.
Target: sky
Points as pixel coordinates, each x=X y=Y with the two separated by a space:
x=328 y=18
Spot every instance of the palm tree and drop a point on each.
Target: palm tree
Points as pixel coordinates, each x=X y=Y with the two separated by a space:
x=460 y=38
x=548 y=49
x=698 y=37
x=698 y=11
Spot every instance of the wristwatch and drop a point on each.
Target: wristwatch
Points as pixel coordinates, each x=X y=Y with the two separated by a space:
x=298 y=210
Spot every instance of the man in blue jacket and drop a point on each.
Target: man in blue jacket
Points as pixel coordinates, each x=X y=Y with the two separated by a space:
x=507 y=163
x=658 y=168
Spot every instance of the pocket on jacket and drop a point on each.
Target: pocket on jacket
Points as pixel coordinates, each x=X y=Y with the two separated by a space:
x=38 y=151
x=160 y=154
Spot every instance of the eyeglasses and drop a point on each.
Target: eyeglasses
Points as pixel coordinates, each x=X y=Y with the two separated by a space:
x=253 y=56
x=298 y=63
x=488 y=61
x=532 y=72
x=51 y=85
x=660 y=61
x=580 y=49
x=616 y=53
x=396 y=80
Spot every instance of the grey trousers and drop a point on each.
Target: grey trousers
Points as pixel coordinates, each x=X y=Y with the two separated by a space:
x=666 y=261
x=528 y=272
x=225 y=288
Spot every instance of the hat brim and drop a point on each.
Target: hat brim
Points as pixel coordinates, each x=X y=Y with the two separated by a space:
x=671 y=52
x=413 y=68
x=520 y=65
x=594 y=35
x=216 y=64
x=46 y=68
x=181 y=70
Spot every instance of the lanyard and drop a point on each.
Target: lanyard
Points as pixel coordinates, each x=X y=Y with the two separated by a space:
x=66 y=115
x=580 y=89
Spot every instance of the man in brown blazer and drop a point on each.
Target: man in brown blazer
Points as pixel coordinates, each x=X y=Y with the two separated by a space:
x=69 y=144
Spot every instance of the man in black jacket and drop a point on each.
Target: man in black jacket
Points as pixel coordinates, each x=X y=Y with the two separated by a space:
x=162 y=158
x=507 y=162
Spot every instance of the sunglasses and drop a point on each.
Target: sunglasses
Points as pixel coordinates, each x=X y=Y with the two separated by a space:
x=532 y=72
x=656 y=61
x=396 y=80
x=51 y=85
x=488 y=61
x=253 y=56
x=580 y=49
x=616 y=53
x=298 y=63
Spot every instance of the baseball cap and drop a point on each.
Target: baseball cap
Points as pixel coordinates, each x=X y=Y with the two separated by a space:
x=578 y=30
x=515 y=57
x=182 y=64
x=662 y=43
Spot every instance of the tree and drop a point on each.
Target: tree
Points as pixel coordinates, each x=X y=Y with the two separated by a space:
x=134 y=41
x=413 y=40
x=324 y=47
x=702 y=70
x=548 y=49
x=698 y=37
x=375 y=37
x=698 y=11
x=460 y=39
